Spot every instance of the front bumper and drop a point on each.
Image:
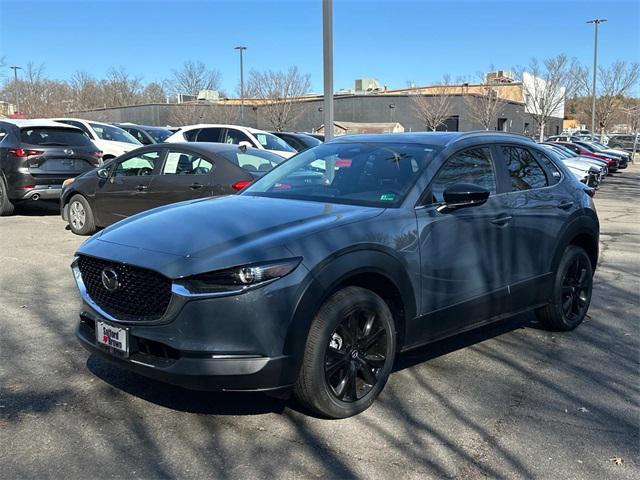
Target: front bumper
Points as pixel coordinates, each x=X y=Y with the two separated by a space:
x=225 y=343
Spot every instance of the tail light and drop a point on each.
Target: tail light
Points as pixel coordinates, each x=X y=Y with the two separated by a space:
x=240 y=185
x=22 y=152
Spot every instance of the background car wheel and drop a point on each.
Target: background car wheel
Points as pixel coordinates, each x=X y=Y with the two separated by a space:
x=6 y=207
x=572 y=292
x=80 y=216
x=349 y=354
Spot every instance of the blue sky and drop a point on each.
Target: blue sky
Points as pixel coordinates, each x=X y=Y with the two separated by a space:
x=394 y=41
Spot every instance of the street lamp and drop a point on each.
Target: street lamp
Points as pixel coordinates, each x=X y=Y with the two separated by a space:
x=596 y=22
x=15 y=69
x=327 y=61
x=241 y=84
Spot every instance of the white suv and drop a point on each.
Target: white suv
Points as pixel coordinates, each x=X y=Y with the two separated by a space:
x=235 y=134
x=113 y=141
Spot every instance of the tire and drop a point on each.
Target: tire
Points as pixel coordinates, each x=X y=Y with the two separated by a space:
x=340 y=378
x=572 y=291
x=80 y=216
x=6 y=207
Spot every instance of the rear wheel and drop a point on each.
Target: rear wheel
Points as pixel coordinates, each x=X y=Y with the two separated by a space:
x=80 y=215
x=572 y=292
x=6 y=207
x=349 y=354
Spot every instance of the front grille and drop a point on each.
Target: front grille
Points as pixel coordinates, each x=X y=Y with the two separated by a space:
x=142 y=294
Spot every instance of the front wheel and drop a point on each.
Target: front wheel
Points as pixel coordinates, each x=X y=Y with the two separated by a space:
x=81 y=219
x=349 y=354
x=571 y=292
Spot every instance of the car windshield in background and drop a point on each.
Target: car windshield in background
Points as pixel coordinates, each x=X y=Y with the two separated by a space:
x=253 y=160
x=369 y=174
x=115 y=134
x=53 y=136
x=159 y=134
x=271 y=142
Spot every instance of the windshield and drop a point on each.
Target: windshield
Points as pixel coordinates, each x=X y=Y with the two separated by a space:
x=115 y=134
x=54 y=136
x=252 y=160
x=271 y=142
x=371 y=174
x=159 y=134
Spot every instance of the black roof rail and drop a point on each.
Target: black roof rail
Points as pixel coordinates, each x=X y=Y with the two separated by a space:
x=472 y=133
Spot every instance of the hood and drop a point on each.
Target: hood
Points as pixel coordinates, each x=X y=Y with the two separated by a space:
x=220 y=232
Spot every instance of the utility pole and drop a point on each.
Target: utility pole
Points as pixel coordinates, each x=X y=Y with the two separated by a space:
x=241 y=49
x=15 y=69
x=596 y=22
x=327 y=57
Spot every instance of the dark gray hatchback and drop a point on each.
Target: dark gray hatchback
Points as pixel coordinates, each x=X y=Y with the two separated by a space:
x=317 y=274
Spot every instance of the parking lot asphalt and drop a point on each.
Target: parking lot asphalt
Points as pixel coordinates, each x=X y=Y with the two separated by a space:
x=509 y=401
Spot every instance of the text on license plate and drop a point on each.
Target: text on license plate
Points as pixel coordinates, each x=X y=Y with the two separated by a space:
x=113 y=337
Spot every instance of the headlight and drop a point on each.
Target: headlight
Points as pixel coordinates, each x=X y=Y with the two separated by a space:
x=68 y=181
x=239 y=278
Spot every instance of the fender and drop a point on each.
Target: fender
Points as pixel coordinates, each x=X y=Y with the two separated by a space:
x=328 y=275
x=585 y=222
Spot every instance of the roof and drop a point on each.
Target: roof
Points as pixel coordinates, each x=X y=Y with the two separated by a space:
x=36 y=122
x=208 y=147
x=222 y=125
x=144 y=127
x=427 y=138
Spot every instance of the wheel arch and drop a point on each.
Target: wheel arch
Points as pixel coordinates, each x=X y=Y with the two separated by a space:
x=372 y=268
x=583 y=232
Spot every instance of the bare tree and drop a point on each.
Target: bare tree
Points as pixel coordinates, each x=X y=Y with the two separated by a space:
x=485 y=106
x=434 y=108
x=86 y=91
x=279 y=94
x=120 y=88
x=153 y=93
x=545 y=85
x=614 y=82
x=191 y=78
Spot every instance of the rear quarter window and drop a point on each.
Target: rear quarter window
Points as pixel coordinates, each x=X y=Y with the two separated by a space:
x=54 y=136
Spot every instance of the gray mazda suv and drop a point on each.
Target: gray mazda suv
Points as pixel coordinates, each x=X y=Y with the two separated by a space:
x=316 y=275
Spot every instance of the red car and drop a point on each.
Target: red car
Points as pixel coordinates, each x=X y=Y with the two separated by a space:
x=612 y=162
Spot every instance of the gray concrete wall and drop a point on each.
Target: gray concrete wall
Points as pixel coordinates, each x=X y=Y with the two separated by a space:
x=364 y=108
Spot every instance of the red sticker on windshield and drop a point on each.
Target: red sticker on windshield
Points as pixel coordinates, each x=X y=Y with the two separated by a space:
x=343 y=162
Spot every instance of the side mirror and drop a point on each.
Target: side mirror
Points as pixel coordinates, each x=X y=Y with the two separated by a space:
x=463 y=195
x=244 y=145
x=102 y=173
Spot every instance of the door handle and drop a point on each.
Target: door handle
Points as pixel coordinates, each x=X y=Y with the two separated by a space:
x=141 y=188
x=502 y=220
x=565 y=205
x=195 y=186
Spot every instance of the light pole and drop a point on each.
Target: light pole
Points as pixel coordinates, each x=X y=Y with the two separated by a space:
x=15 y=69
x=241 y=84
x=596 y=22
x=327 y=61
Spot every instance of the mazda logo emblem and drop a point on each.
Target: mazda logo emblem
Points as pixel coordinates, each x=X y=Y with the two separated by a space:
x=110 y=279
x=68 y=151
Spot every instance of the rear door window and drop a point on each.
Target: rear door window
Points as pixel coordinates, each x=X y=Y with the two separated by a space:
x=209 y=135
x=236 y=136
x=252 y=161
x=524 y=170
x=180 y=163
x=54 y=137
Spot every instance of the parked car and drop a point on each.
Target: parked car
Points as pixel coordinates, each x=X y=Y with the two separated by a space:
x=113 y=141
x=298 y=141
x=562 y=138
x=36 y=156
x=588 y=174
x=567 y=155
x=595 y=147
x=391 y=242
x=146 y=134
x=319 y=136
x=612 y=162
x=623 y=142
x=156 y=175
x=237 y=135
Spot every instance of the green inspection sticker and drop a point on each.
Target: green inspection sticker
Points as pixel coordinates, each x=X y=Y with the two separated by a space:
x=388 y=197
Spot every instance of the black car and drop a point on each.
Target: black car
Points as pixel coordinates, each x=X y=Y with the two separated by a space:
x=156 y=175
x=299 y=141
x=390 y=242
x=36 y=156
x=623 y=142
x=146 y=134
